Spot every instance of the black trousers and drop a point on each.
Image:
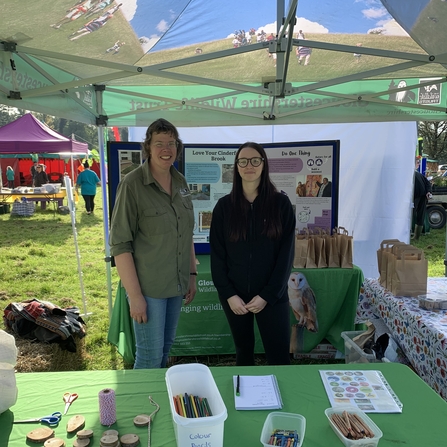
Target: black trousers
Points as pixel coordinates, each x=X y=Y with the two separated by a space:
x=274 y=328
x=420 y=206
x=89 y=202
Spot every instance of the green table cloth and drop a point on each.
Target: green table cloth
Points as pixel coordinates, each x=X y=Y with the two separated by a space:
x=203 y=328
x=420 y=424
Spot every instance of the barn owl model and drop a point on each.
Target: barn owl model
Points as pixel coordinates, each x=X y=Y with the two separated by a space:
x=303 y=302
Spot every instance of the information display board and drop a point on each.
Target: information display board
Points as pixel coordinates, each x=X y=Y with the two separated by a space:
x=123 y=157
x=306 y=172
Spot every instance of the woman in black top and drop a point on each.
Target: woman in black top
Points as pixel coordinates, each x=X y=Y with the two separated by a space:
x=252 y=245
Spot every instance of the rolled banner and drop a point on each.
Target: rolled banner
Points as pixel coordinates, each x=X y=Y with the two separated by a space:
x=107 y=407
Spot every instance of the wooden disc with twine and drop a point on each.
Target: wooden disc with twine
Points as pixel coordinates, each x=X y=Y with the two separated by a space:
x=40 y=434
x=75 y=423
x=142 y=420
x=54 y=442
x=130 y=440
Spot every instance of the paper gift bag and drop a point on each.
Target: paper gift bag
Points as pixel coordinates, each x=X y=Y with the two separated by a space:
x=310 y=258
x=382 y=258
x=384 y=245
x=332 y=253
x=388 y=264
x=409 y=273
x=320 y=251
x=301 y=241
x=345 y=248
x=388 y=258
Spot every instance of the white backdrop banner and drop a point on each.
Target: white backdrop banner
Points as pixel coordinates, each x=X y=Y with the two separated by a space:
x=376 y=173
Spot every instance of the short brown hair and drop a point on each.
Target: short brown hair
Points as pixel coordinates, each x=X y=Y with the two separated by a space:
x=161 y=126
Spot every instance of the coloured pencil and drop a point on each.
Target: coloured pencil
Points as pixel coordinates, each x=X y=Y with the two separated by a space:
x=193 y=406
x=183 y=406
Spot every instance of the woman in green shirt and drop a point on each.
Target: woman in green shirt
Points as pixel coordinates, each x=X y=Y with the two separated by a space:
x=151 y=240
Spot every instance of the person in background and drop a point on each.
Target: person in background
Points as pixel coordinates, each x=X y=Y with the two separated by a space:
x=88 y=181
x=252 y=246
x=33 y=171
x=40 y=178
x=10 y=177
x=151 y=241
x=421 y=193
x=303 y=54
x=358 y=55
x=325 y=188
x=301 y=189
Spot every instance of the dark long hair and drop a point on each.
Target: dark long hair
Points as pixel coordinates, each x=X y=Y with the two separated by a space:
x=266 y=201
x=161 y=126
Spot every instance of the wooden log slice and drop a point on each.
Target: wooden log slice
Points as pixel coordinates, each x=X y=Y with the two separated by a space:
x=117 y=444
x=75 y=423
x=54 y=442
x=111 y=432
x=81 y=442
x=83 y=434
x=109 y=440
x=40 y=434
x=130 y=440
x=141 y=420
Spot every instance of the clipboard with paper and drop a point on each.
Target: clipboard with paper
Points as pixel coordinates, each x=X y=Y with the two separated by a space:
x=257 y=393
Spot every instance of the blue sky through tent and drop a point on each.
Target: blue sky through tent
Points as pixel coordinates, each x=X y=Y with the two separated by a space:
x=176 y=23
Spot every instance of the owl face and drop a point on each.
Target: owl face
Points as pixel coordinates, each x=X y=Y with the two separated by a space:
x=297 y=281
x=292 y=283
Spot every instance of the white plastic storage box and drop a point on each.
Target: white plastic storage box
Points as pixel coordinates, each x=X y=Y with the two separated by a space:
x=353 y=352
x=196 y=379
x=283 y=421
x=363 y=442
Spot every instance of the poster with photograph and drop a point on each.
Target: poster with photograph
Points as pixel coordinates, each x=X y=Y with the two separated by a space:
x=123 y=157
x=306 y=172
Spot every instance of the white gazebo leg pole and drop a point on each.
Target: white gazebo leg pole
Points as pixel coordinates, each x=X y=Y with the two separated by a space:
x=101 y=122
x=105 y=220
x=72 y=208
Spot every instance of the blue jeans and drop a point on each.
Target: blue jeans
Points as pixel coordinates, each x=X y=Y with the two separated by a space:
x=154 y=338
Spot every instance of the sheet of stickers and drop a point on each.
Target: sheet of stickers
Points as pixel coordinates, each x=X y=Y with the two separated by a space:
x=367 y=390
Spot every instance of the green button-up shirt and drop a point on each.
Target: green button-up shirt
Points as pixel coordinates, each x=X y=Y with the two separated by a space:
x=157 y=229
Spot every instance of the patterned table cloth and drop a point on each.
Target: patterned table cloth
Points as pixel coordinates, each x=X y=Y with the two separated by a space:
x=421 y=334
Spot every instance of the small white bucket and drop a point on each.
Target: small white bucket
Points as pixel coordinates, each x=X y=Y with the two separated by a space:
x=196 y=379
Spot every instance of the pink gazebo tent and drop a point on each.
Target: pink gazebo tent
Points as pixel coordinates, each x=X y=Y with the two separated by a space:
x=26 y=136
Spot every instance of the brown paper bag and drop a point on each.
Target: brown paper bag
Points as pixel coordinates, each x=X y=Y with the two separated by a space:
x=320 y=251
x=310 y=259
x=346 y=248
x=410 y=271
x=382 y=259
x=388 y=258
x=384 y=246
x=388 y=263
x=301 y=241
x=332 y=253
